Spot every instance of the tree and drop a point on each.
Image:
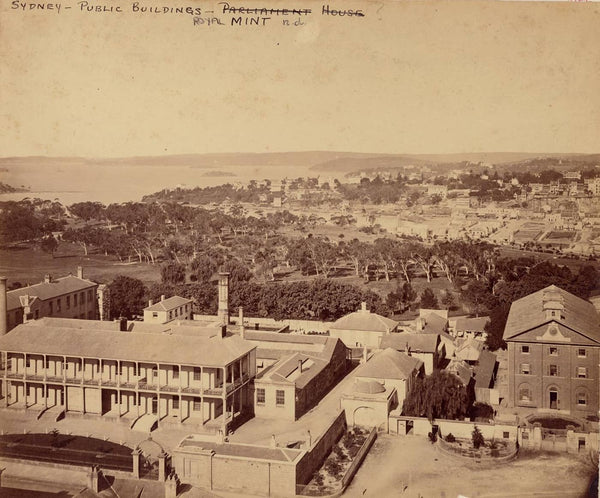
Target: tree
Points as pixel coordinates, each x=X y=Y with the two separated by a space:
x=127 y=296
x=173 y=273
x=49 y=244
x=477 y=438
x=495 y=327
x=448 y=300
x=439 y=395
x=401 y=298
x=428 y=299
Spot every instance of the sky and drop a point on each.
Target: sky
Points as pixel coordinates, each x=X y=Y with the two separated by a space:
x=409 y=77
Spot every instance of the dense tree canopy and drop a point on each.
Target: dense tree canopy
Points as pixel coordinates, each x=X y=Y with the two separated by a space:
x=127 y=297
x=439 y=395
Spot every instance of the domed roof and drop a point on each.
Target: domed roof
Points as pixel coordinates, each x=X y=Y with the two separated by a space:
x=368 y=387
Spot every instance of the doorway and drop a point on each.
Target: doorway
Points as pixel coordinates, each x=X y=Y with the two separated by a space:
x=553 y=399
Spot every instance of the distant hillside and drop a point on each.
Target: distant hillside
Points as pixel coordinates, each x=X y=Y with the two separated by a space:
x=8 y=189
x=441 y=162
x=319 y=161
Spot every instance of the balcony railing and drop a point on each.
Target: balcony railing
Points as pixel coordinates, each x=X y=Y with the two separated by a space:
x=214 y=391
x=191 y=390
x=170 y=389
x=15 y=375
x=90 y=382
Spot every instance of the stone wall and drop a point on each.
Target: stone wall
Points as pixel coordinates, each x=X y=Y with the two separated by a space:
x=313 y=458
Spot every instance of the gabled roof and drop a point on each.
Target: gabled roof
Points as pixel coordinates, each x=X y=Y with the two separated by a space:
x=365 y=321
x=528 y=313
x=469 y=350
x=471 y=324
x=461 y=370
x=484 y=371
x=168 y=304
x=418 y=343
x=389 y=364
x=38 y=338
x=51 y=290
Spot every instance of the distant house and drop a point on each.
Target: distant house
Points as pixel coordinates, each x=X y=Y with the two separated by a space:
x=469 y=350
x=362 y=328
x=469 y=327
x=425 y=347
x=173 y=308
x=484 y=374
x=65 y=297
x=381 y=385
x=553 y=342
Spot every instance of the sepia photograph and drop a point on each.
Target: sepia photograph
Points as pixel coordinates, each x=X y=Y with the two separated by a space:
x=298 y=248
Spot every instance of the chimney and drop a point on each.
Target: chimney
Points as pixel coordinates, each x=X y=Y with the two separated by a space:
x=300 y=365
x=223 y=331
x=224 y=297
x=47 y=278
x=363 y=307
x=80 y=272
x=122 y=324
x=162 y=297
x=3 y=307
x=241 y=320
x=420 y=323
x=150 y=302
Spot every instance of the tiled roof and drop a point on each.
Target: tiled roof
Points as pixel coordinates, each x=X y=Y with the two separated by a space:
x=389 y=364
x=471 y=324
x=44 y=291
x=364 y=321
x=168 y=304
x=37 y=338
x=469 y=349
x=484 y=371
x=528 y=313
x=426 y=343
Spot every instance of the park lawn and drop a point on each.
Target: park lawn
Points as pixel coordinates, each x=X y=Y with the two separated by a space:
x=26 y=264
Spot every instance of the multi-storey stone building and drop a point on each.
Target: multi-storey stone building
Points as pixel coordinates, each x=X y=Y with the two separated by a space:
x=178 y=374
x=66 y=297
x=553 y=342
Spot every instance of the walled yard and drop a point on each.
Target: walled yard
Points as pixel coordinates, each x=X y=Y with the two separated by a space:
x=411 y=466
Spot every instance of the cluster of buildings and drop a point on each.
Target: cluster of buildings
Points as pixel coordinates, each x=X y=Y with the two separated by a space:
x=212 y=373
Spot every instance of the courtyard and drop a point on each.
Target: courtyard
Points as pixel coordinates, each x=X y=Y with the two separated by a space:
x=411 y=466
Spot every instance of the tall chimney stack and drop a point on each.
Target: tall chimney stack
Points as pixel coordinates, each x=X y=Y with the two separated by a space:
x=241 y=321
x=162 y=297
x=3 y=306
x=80 y=272
x=150 y=302
x=47 y=278
x=224 y=297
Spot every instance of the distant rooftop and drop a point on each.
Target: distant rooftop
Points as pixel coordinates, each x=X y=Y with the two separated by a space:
x=243 y=450
x=55 y=288
x=169 y=304
x=366 y=321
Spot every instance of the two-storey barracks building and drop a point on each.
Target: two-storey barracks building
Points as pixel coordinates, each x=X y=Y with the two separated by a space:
x=132 y=371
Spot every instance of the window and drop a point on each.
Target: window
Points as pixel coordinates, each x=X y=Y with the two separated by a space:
x=28 y=362
x=279 y=397
x=74 y=299
x=82 y=298
x=47 y=363
x=197 y=404
x=58 y=304
x=525 y=349
x=505 y=434
x=581 y=398
x=197 y=373
x=51 y=304
x=524 y=394
x=90 y=296
x=175 y=403
x=155 y=314
x=175 y=373
x=581 y=353
x=553 y=370
x=553 y=351
x=154 y=372
x=525 y=370
x=260 y=396
x=582 y=372
x=68 y=302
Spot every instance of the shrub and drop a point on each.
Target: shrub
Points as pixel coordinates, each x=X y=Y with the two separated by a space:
x=432 y=437
x=493 y=445
x=339 y=452
x=477 y=438
x=450 y=438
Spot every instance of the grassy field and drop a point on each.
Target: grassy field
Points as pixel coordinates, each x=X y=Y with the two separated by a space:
x=29 y=265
